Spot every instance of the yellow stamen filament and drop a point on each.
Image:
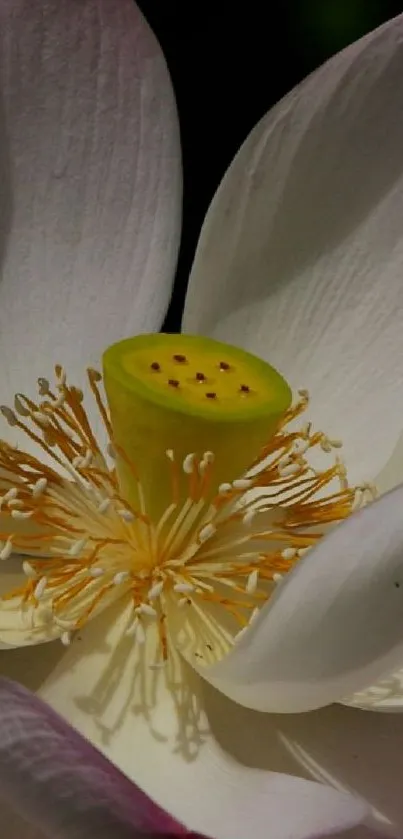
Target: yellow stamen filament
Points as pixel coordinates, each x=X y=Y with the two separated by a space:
x=201 y=572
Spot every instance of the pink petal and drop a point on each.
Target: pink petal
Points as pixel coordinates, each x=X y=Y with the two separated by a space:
x=56 y=780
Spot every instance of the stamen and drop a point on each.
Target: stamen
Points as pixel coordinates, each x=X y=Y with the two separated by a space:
x=43 y=386
x=155 y=590
x=22 y=514
x=40 y=587
x=251 y=584
x=207 y=532
x=66 y=638
x=39 y=487
x=146 y=609
x=6 y=550
x=183 y=588
x=291 y=469
x=217 y=550
x=10 y=495
x=289 y=553
x=104 y=505
x=126 y=515
x=121 y=577
x=188 y=463
x=242 y=483
x=77 y=547
x=42 y=419
x=224 y=488
x=9 y=415
x=20 y=407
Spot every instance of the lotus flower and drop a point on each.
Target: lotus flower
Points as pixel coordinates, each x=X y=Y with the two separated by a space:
x=313 y=197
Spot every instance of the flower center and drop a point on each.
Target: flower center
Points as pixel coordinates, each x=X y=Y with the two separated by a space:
x=197 y=508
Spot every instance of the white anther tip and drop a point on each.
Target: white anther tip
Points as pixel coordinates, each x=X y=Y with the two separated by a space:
x=242 y=483
x=188 y=463
x=77 y=547
x=103 y=505
x=40 y=587
x=289 y=553
x=66 y=638
x=287 y=471
x=155 y=590
x=249 y=516
x=146 y=609
x=207 y=532
x=39 y=487
x=252 y=581
x=126 y=515
x=22 y=514
x=120 y=577
x=223 y=489
x=28 y=570
x=183 y=588
x=8 y=415
x=6 y=550
x=96 y=572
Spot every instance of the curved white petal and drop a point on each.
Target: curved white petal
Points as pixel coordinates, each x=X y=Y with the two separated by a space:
x=301 y=255
x=160 y=739
x=54 y=778
x=91 y=163
x=335 y=623
x=350 y=749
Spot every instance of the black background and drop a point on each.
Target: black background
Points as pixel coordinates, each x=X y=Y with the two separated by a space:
x=229 y=63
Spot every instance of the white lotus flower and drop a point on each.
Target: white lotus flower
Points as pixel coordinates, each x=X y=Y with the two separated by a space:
x=313 y=196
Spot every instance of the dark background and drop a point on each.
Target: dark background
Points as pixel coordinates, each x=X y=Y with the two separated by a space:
x=229 y=63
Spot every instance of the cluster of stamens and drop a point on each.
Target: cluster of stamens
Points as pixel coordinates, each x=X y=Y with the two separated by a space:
x=201 y=573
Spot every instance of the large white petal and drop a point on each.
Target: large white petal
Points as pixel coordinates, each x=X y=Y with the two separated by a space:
x=91 y=174
x=335 y=624
x=301 y=255
x=160 y=739
x=350 y=749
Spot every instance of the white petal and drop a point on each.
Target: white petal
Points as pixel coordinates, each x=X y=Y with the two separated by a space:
x=91 y=208
x=161 y=740
x=335 y=624
x=301 y=255
x=350 y=749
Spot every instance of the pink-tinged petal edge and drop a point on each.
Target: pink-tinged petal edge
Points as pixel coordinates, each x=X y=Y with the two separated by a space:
x=56 y=780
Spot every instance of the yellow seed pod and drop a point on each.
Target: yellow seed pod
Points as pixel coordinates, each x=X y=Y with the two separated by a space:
x=185 y=394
